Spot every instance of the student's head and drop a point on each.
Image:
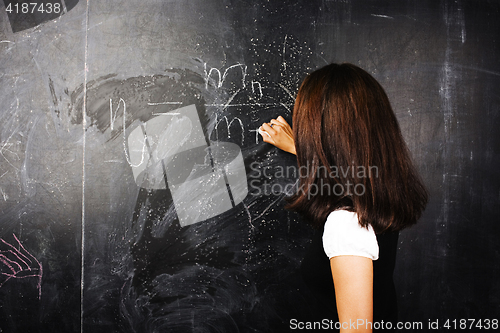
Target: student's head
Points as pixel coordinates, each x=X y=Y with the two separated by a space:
x=351 y=153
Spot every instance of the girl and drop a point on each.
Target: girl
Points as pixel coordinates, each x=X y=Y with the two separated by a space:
x=359 y=188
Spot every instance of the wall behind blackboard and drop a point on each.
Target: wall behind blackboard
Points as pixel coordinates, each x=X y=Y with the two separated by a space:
x=84 y=248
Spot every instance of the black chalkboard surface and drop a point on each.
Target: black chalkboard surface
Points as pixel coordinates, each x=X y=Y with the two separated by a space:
x=97 y=230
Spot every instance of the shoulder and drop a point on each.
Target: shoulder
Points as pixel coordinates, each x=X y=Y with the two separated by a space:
x=342 y=235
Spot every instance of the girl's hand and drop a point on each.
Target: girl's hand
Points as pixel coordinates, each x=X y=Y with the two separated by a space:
x=277 y=132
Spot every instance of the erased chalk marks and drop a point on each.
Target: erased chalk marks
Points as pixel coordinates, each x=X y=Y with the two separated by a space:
x=18 y=263
x=52 y=92
x=450 y=78
x=166 y=103
x=455 y=21
x=114 y=104
x=383 y=16
x=6 y=148
x=284 y=52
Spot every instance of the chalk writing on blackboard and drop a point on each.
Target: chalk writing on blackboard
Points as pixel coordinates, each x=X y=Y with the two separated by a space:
x=18 y=263
x=221 y=78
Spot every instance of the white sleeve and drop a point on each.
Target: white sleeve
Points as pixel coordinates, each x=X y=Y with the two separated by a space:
x=343 y=236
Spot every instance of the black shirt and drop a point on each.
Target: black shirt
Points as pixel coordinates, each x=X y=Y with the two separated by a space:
x=317 y=275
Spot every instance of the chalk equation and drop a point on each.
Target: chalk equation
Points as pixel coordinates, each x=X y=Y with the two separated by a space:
x=17 y=263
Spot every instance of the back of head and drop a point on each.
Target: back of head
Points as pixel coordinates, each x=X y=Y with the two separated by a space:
x=351 y=153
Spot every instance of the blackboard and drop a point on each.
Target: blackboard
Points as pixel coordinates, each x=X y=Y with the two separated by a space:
x=85 y=246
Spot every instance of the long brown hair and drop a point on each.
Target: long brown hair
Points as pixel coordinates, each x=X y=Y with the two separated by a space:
x=351 y=153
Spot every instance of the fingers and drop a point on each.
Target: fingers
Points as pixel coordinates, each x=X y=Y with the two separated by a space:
x=271 y=131
x=280 y=127
x=265 y=136
x=275 y=122
x=283 y=124
x=282 y=121
x=278 y=133
x=266 y=127
x=280 y=124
